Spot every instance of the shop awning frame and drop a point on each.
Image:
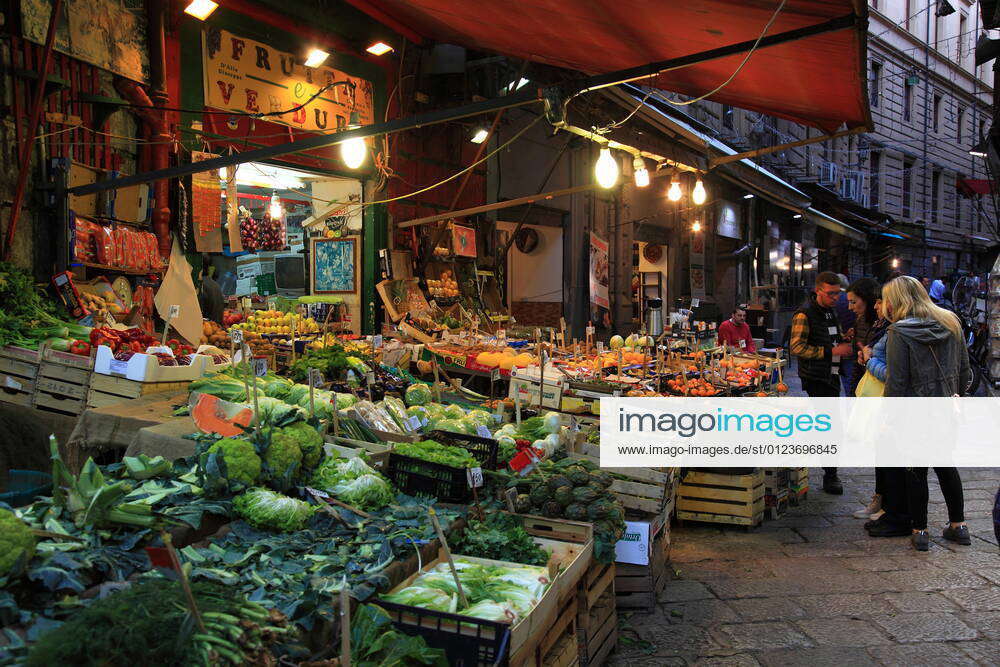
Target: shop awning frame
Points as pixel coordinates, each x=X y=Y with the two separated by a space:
x=554 y=99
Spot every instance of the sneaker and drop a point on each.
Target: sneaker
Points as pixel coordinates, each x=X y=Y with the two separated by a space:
x=872 y=508
x=921 y=540
x=882 y=528
x=958 y=535
x=832 y=485
x=874 y=518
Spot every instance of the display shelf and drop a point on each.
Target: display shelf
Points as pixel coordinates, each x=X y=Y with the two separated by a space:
x=117 y=269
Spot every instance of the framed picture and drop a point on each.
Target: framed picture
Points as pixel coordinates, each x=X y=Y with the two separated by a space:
x=334 y=265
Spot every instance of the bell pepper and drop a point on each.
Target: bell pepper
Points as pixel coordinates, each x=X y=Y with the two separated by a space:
x=80 y=347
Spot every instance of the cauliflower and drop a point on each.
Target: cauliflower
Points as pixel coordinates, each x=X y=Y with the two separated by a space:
x=17 y=544
x=266 y=510
x=282 y=455
x=241 y=461
x=307 y=438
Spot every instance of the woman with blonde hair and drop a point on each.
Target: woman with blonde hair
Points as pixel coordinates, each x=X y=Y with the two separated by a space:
x=925 y=356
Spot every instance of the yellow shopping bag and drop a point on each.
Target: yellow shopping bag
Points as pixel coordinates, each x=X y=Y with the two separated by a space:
x=869 y=386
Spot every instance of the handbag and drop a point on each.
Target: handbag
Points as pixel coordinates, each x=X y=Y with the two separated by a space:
x=870 y=386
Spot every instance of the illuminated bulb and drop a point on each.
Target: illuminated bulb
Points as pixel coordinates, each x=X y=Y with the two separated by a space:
x=796 y=216
x=379 y=49
x=275 y=209
x=316 y=57
x=353 y=151
x=201 y=9
x=696 y=226
x=895 y=263
x=674 y=193
x=606 y=169
x=698 y=195
x=641 y=173
x=479 y=136
x=748 y=196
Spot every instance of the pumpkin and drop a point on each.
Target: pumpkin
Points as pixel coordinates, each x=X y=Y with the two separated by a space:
x=523 y=359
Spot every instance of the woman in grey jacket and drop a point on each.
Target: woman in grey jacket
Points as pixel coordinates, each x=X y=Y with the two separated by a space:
x=925 y=356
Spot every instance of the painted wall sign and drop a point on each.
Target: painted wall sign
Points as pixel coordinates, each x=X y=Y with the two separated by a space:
x=247 y=76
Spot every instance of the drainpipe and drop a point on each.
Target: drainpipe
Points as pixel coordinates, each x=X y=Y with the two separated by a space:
x=155 y=119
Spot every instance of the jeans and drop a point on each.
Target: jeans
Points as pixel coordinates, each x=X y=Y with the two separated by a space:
x=821 y=389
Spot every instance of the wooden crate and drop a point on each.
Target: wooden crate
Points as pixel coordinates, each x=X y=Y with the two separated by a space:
x=108 y=389
x=636 y=586
x=798 y=485
x=597 y=615
x=645 y=490
x=61 y=388
x=554 y=644
x=728 y=499
x=18 y=370
x=776 y=485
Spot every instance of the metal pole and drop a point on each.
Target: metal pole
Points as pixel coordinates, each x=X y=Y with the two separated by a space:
x=29 y=139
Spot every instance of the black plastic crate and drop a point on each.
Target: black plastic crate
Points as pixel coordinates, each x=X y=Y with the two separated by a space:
x=466 y=641
x=415 y=476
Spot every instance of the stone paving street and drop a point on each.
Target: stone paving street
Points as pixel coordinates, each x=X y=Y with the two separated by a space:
x=811 y=588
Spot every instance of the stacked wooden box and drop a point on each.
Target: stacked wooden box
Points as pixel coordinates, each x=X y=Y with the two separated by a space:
x=108 y=390
x=776 y=490
x=18 y=373
x=63 y=382
x=798 y=485
x=597 y=615
x=637 y=586
x=719 y=498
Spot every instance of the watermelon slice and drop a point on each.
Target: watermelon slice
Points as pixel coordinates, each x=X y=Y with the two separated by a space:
x=214 y=415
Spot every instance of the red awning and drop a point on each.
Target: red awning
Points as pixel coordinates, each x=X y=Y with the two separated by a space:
x=818 y=80
x=975 y=186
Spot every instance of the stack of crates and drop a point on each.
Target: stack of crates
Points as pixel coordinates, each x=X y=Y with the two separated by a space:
x=777 y=490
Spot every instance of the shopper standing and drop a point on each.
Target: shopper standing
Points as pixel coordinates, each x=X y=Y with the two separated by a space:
x=846 y=318
x=925 y=356
x=735 y=332
x=864 y=298
x=818 y=348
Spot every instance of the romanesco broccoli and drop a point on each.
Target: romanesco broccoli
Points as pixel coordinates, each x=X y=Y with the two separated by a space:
x=282 y=455
x=242 y=462
x=17 y=544
x=308 y=439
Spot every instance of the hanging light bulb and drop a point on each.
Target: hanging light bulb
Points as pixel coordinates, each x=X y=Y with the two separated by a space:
x=641 y=173
x=353 y=151
x=698 y=195
x=606 y=169
x=895 y=263
x=276 y=209
x=696 y=226
x=674 y=191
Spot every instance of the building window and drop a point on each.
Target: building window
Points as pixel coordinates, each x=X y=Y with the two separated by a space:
x=875 y=180
x=959 y=203
x=936 y=111
x=727 y=116
x=960 y=125
x=907 y=100
x=875 y=83
x=963 y=27
x=908 y=167
x=935 y=195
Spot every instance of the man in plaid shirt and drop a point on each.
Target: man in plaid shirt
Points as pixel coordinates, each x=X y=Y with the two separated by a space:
x=818 y=346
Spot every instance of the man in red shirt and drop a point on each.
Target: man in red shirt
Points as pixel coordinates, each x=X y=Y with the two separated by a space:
x=735 y=332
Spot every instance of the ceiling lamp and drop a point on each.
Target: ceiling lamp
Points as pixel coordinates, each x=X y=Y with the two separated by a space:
x=696 y=226
x=353 y=151
x=316 y=57
x=699 y=195
x=796 y=216
x=606 y=169
x=201 y=9
x=379 y=49
x=674 y=191
x=640 y=171
x=275 y=209
x=895 y=263
x=748 y=196
x=980 y=149
x=479 y=135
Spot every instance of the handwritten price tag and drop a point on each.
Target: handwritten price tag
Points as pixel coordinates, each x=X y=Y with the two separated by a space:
x=260 y=367
x=474 y=477
x=175 y=310
x=600 y=348
x=483 y=432
x=377 y=342
x=590 y=331
x=413 y=423
x=495 y=375
x=315 y=377
x=369 y=378
x=236 y=335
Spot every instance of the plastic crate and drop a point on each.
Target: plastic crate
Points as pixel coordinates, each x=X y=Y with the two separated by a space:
x=24 y=485
x=415 y=476
x=466 y=641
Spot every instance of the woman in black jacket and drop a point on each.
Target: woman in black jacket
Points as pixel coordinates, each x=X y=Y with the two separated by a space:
x=925 y=356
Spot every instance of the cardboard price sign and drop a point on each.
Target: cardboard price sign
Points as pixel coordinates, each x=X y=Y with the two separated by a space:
x=260 y=367
x=474 y=476
x=236 y=335
x=315 y=377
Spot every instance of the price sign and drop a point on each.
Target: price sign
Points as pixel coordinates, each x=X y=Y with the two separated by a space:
x=695 y=303
x=590 y=331
x=175 y=310
x=260 y=367
x=474 y=477
x=617 y=392
x=317 y=492
x=377 y=342
x=502 y=334
x=315 y=377
x=495 y=375
x=483 y=432
x=573 y=426
x=109 y=319
x=118 y=367
x=236 y=335
x=538 y=333
x=433 y=304
x=498 y=416
x=413 y=423
x=369 y=379
x=600 y=347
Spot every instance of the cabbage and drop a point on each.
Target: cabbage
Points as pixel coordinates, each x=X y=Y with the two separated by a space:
x=418 y=411
x=417 y=596
x=274 y=412
x=507 y=430
x=468 y=426
x=368 y=491
x=551 y=422
x=454 y=411
x=553 y=440
x=490 y=611
x=345 y=401
x=417 y=394
x=452 y=425
x=506 y=440
x=296 y=394
x=353 y=467
x=479 y=418
x=264 y=509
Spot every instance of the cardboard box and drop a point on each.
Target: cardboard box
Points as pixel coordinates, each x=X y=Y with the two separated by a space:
x=528 y=392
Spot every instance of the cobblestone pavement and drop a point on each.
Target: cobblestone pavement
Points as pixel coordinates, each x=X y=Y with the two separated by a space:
x=811 y=588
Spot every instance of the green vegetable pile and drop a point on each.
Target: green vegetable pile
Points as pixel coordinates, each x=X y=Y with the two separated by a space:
x=435 y=452
x=354 y=482
x=575 y=489
x=26 y=318
x=500 y=536
x=17 y=545
x=149 y=623
x=232 y=459
x=376 y=643
x=330 y=361
x=268 y=510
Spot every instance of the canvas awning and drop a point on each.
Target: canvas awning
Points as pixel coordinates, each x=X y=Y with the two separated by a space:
x=975 y=186
x=816 y=79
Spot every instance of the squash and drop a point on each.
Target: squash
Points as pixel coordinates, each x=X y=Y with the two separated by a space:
x=213 y=415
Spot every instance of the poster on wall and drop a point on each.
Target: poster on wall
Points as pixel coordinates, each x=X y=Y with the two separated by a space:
x=334 y=265
x=599 y=271
x=247 y=76
x=463 y=240
x=103 y=33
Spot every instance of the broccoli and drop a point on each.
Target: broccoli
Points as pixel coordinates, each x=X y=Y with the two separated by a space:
x=17 y=544
x=267 y=510
x=241 y=461
x=283 y=455
x=307 y=438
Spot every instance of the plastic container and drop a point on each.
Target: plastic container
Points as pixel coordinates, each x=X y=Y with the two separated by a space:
x=466 y=641
x=24 y=485
x=146 y=367
x=415 y=476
